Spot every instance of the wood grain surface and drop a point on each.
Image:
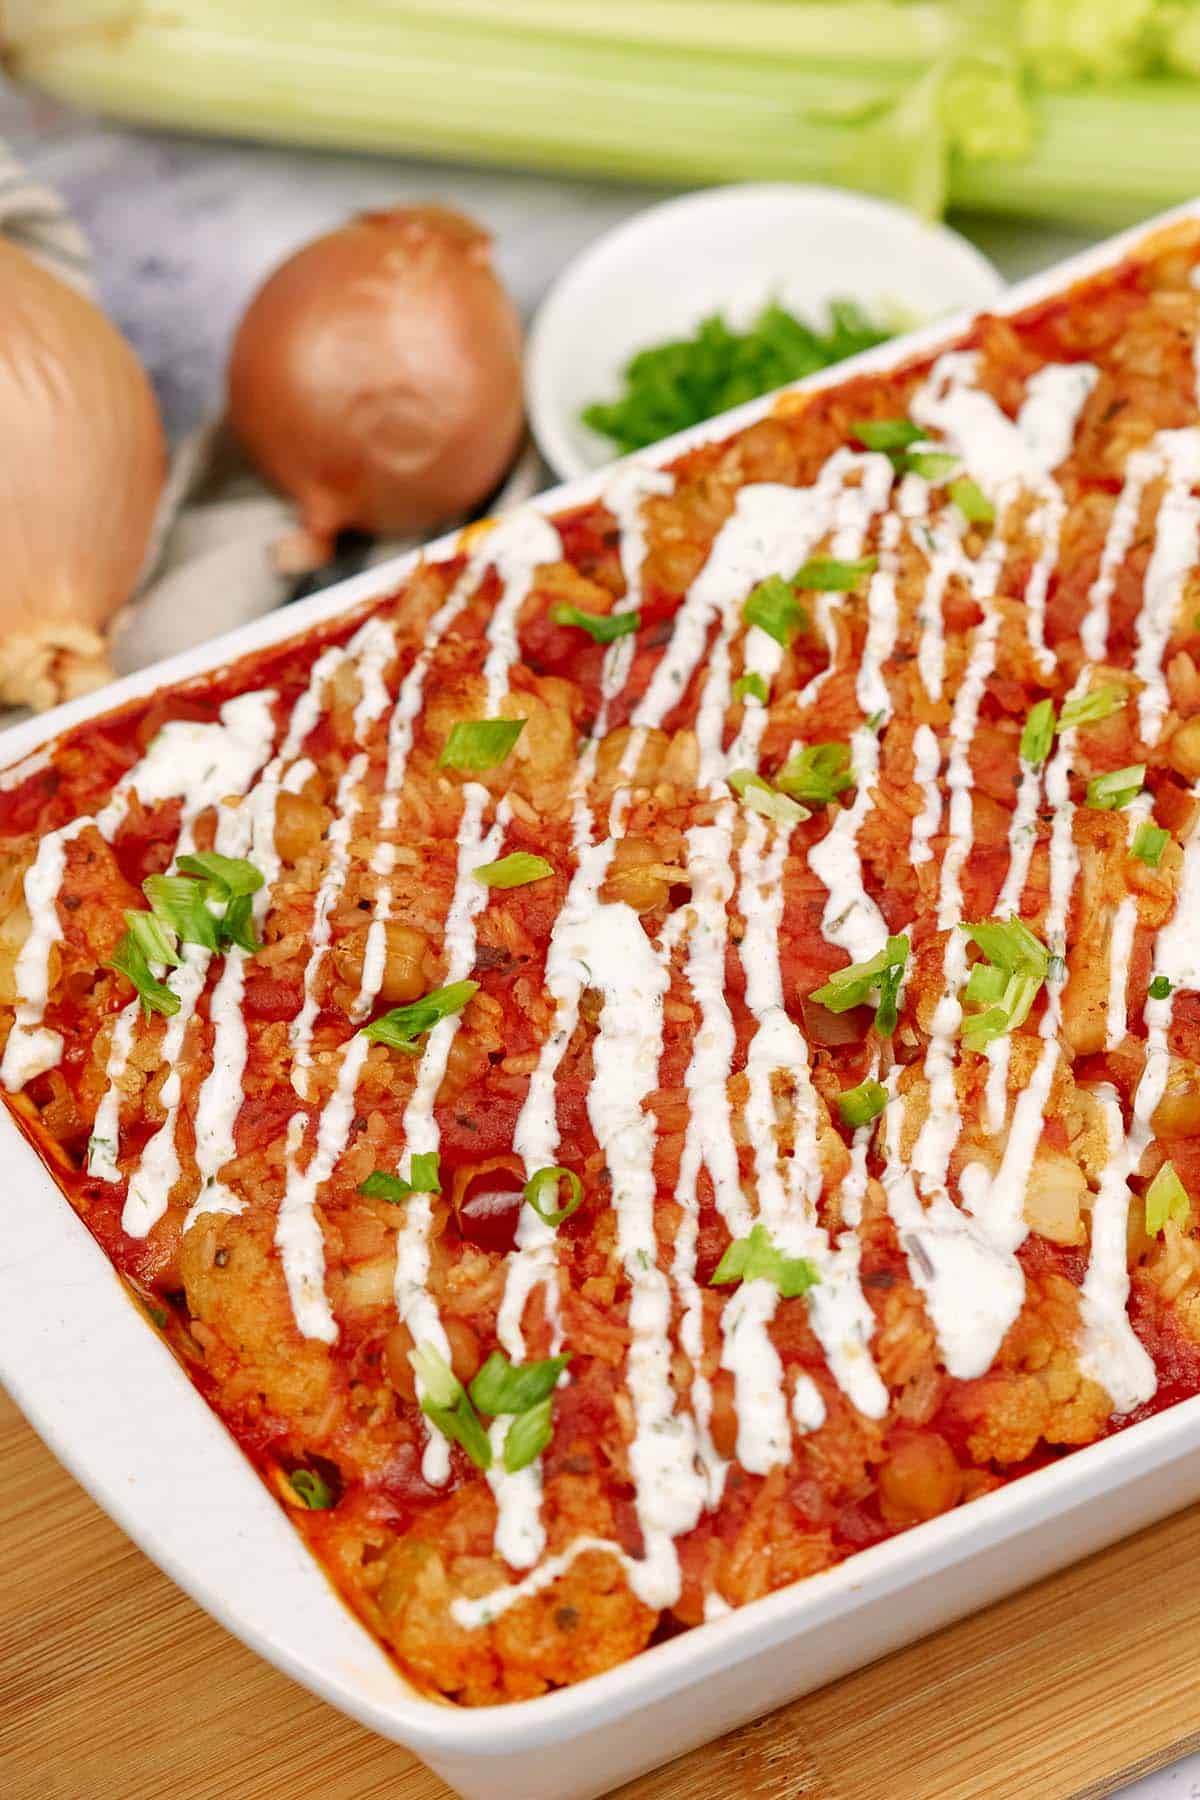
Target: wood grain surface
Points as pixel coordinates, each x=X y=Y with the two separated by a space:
x=113 y=1686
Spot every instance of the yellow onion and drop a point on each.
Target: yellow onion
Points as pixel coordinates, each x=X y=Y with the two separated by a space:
x=376 y=376
x=81 y=473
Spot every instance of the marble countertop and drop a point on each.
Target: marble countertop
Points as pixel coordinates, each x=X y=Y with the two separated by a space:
x=183 y=229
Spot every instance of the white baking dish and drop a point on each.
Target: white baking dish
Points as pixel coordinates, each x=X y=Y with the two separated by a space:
x=110 y=1400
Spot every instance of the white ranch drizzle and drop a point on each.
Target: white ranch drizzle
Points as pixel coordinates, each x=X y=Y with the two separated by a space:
x=1176 y=552
x=516 y=547
x=1006 y=458
x=234 y=756
x=927 y=760
x=1109 y=1350
x=373 y=648
x=195 y=762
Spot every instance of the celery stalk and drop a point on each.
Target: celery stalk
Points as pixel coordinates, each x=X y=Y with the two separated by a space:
x=912 y=100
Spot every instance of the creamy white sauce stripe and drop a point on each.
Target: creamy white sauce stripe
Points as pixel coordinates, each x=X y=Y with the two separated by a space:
x=516 y=547
x=962 y=1259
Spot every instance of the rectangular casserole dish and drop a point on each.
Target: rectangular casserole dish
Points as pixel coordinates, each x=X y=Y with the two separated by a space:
x=112 y=1402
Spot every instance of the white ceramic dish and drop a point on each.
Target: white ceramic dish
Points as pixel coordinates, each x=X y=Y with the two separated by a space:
x=108 y=1397
x=729 y=250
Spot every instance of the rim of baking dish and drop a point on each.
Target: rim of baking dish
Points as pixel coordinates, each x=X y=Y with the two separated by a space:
x=346 y=1665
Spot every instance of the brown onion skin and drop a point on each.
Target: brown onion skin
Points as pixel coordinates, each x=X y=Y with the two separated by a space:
x=80 y=480
x=376 y=376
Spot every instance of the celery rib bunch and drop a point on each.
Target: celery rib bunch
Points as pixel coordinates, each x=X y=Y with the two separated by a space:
x=1081 y=109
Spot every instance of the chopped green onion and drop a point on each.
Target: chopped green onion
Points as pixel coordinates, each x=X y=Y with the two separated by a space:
x=237 y=924
x=505 y=1387
x=757 y=1258
x=1038 y=733
x=424 y=1177
x=971 y=501
x=667 y=386
x=886 y=434
x=143 y=942
x=401 y=1027
x=1108 y=793
x=1166 y=1198
x=931 y=465
x=604 y=628
x=541 y=1191
x=154 y=938
x=1149 y=842
x=859 y=1105
x=310 y=1490
x=181 y=904
x=826 y=575
x=1099 y=703
x=480 y=743
x=446 y=1403
x=854 y=985
x=515 y=870
x=528 y=1436
x=1160 y=988
x=232 y=874
x=1007 y=983
x=817 y=773
x=751 y=687
x=760 y=797
x=774 y=608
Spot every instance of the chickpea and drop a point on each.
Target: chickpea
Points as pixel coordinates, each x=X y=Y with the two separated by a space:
x=919 y=1480
x=299 y=825
x=406 y=974
x=1178 y=1112
x=466 y=1355
x=464 y=1062
x=1183 y=751
x=723 y=1424
x=636 y=876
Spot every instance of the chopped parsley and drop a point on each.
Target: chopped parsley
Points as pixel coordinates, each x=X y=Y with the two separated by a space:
x=401 y=1027
x=1160 y=988
x=930 y=465
x=758 y=1258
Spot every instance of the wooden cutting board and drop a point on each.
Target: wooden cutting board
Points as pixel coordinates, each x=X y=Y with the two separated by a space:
x=113 y=1686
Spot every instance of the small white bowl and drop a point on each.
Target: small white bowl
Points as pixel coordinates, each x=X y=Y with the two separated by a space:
x=729 y=250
